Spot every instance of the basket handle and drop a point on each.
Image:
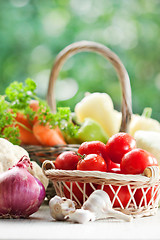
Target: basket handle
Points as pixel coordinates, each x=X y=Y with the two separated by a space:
x=152 y=172
x=47 y=165
x=90 y=46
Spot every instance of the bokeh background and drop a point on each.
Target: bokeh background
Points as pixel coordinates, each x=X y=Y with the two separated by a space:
x=32 y=32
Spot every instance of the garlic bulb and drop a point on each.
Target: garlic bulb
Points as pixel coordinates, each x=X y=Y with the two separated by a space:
x=81 y=216
x=60 y=207
x=99 y=203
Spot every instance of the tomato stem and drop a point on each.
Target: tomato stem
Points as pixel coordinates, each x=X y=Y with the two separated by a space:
x=82 y=156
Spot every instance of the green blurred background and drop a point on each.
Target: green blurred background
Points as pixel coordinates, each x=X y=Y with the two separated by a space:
x=32 y=32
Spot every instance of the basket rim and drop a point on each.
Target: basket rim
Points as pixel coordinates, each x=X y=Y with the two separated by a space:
x=104 y=177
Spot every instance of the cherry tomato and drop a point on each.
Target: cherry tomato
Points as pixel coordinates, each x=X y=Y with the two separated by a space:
x=99 y=148
x=118 y=145
x=123 y=195
x=92 y=162
x=95 y=147
x=67 y=161
x=135 y=161
x=76 y=191
x=149 y=193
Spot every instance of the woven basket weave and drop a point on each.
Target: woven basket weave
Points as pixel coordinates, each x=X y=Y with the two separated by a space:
x=83 y=179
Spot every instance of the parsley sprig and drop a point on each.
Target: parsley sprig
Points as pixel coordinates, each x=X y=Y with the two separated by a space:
x=19 y=94
x=8 y=129
x=62 y=119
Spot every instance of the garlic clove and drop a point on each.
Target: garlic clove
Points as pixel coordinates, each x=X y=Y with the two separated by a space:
x=67 y=206
x=56 y=212
x=81 y=216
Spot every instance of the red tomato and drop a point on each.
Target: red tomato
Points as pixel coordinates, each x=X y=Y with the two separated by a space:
x=99 y=148
x=67 y=161
x=95 y=147
x=123 y=195
x=149 y=193
x=76 y=191
x=118 y=145
x=135 y=161
x=92 y=162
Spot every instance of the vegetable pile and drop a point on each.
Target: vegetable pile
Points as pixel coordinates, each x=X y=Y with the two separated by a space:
x=99 y=108
x=119 y=155
x=26 y=119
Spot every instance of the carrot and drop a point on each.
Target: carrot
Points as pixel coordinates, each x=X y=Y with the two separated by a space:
x=47 y=136
x=25 y=129
x=34 y=105
x=20 y=117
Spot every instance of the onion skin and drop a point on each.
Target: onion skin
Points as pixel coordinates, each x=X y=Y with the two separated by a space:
x=21 y=194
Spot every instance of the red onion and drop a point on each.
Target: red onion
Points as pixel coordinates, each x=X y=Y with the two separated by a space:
x=21 y=194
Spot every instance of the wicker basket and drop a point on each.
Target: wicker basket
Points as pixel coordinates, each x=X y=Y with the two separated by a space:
x=84 y=180
x=40 y=153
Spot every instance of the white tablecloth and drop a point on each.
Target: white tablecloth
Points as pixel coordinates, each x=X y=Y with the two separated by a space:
x=41 y=226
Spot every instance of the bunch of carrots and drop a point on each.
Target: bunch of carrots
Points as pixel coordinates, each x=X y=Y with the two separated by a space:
x=33 y=132
x=26 y=119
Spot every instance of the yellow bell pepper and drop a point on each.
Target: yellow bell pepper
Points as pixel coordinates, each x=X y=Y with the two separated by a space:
x=99 y=107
